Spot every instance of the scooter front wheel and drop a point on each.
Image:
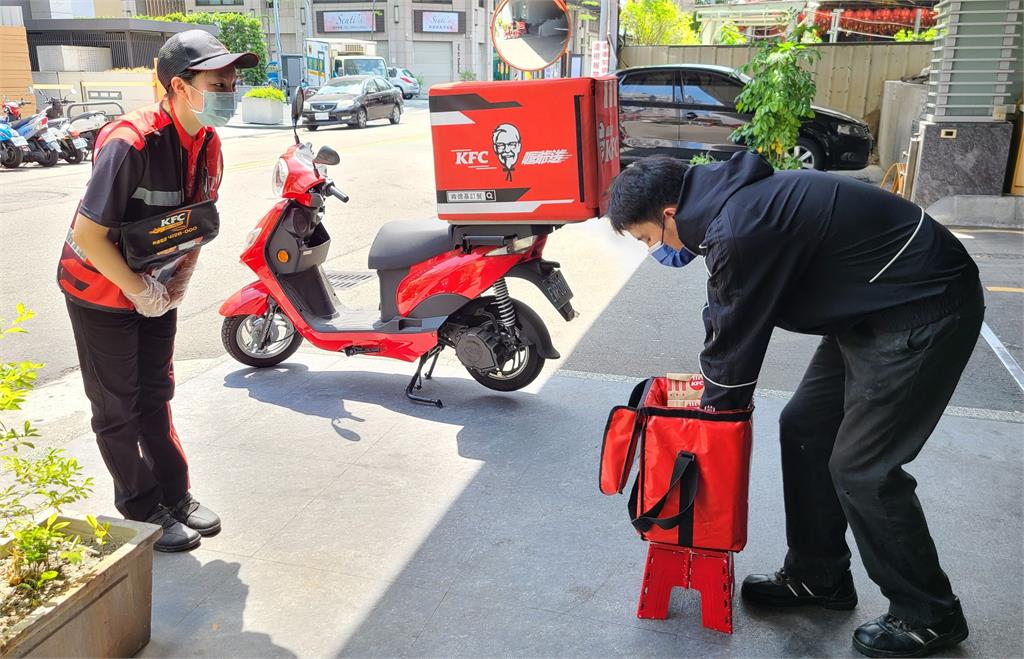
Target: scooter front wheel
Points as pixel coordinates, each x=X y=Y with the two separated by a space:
x=243 y=338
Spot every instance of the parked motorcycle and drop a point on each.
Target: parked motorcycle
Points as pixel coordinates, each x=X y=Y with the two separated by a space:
x=432 y=278
x=73 y=148
x=13 y=147
x=43 y=146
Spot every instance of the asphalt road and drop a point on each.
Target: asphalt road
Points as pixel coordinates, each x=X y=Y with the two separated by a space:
x=638 y=319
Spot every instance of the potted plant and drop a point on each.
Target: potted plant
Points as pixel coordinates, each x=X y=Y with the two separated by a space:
x=263 y=105
x=68 y=586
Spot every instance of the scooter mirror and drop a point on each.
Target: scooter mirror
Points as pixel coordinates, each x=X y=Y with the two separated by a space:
x=531 y=35
x=298 y=98
x=327 y=156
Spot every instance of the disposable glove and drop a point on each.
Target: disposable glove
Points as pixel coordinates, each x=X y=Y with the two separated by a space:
x=152 y=301
x=178 y=284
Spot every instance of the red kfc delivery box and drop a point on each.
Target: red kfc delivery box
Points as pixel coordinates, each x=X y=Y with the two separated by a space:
x=534 y=151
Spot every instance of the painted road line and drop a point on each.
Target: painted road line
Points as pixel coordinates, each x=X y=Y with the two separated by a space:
x=1015 y=232
x=962 y=236
x=1004 y=289
x=1016 y=372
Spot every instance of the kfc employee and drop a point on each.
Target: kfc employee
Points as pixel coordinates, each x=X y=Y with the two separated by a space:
x=898 y=304
x=151 y=161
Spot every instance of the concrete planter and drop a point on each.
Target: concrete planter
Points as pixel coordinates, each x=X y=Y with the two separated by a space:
x=108 y=615
x=262 y=111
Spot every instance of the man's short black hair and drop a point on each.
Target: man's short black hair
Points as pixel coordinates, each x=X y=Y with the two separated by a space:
x=641 y=192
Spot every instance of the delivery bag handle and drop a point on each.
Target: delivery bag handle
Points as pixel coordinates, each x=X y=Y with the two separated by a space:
x=684 y=476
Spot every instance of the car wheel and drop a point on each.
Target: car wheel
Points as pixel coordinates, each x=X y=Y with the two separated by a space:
x=312 y=129
x=407 y=96
x=396 y=115
x=360 y=121
x=809 y=153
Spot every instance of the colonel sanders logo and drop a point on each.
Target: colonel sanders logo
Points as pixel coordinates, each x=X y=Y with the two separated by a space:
x=507 y=145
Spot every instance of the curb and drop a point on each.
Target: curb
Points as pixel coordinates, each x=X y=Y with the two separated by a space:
x=1000 y=212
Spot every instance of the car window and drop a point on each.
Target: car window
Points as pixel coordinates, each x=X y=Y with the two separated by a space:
x=653 y=87
x=408 y=73
x=392 y=73
x=710 y=89
x=371 y=86
x=340 y=86
x=384 y=84
x=361 y=66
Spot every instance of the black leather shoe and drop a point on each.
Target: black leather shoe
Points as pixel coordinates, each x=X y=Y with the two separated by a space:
x=889 y=636
x=780 y=589
x=176 y=536
x=196 y=516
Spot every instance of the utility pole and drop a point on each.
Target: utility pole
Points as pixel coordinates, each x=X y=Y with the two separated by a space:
x=608 y=30
x=277 y=36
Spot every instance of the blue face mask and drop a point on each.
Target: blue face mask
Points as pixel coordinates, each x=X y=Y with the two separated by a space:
x=218 y=108
x=673 y=258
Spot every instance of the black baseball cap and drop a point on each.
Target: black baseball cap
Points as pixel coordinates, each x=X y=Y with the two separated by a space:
x=197 y=50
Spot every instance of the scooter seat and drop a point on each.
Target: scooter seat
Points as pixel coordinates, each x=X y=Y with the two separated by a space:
x=20 y=122
x=403 y=243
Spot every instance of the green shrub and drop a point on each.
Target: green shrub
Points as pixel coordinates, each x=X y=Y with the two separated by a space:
x=779 y=95
x=467 y=76
x=38 y=485
x=273 y=93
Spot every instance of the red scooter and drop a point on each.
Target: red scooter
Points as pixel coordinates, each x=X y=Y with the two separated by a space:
x=432 y=280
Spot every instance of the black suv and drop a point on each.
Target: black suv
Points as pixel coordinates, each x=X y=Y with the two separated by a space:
x=685 y=109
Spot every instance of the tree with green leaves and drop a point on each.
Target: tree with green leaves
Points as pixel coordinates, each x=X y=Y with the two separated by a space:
x=238 y=33
x=657 y=23
x=779 y=95
x=730 y=35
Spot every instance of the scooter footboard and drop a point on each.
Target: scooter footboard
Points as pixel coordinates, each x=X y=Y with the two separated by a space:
x=252 y=300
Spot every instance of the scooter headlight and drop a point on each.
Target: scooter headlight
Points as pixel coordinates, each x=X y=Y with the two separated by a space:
x=279 y=177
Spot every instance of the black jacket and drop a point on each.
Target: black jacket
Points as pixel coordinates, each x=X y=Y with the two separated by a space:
x=809 y=252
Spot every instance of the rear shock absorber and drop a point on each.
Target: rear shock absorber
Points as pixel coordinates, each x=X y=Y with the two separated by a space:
x=506 y=311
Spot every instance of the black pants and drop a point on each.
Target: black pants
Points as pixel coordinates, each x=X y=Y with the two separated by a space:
x=127 y=369
x=867 y=403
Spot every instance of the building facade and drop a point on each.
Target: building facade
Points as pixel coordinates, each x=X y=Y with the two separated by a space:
x=440 y=40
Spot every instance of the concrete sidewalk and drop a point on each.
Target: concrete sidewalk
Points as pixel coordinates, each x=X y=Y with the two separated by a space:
x=356 y=523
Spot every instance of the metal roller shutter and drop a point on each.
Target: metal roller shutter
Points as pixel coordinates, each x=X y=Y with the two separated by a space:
x=433 y=61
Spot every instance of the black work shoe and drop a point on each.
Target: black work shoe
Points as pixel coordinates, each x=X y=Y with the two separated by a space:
x=196 y=516
x=888 y=636
x=176 y=536
x=780 y=589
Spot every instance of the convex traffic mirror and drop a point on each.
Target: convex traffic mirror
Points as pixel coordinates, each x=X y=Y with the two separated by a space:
x=530 y=35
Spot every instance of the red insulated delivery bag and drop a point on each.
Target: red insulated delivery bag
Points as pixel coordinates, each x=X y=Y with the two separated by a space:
x=692 y=484
x=525 y=152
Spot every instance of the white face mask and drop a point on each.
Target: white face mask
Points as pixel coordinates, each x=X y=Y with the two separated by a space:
x=217 y=108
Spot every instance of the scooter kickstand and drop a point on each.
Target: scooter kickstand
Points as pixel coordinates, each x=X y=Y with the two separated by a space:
x=417 y=381
x=430 y=371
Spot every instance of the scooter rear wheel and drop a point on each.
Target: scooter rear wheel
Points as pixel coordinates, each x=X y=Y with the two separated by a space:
x=11 y=158
x=75 y=156
x=50 y=158
x=521 y=369
x=239 y=335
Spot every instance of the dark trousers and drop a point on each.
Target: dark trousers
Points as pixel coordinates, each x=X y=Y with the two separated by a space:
x=867 y=403
x=127 y=369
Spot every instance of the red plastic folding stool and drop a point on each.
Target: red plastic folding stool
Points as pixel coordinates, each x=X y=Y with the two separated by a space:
x=709 y=572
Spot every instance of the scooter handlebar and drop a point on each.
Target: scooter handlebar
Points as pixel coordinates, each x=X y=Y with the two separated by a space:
x=337 y=194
